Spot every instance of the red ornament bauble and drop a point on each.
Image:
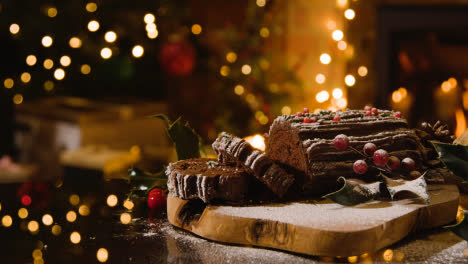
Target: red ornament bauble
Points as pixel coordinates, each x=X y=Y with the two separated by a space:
x=157 y=199
x=177 y=58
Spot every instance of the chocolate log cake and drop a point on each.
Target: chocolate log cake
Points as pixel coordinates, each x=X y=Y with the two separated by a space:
x=305 y=141
x=208 y=180
x=231 y=149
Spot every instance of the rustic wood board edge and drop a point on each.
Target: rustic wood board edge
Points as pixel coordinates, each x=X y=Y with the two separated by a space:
x=208 y=223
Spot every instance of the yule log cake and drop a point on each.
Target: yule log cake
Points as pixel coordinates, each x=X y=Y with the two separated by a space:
x=304 y=142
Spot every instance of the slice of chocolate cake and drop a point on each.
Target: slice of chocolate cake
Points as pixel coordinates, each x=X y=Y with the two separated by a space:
x=307 y=144
x=208 y=180
x=233 y=149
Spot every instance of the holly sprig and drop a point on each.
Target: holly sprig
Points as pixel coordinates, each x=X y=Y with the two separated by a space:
x=394 y=176
x=188 y=145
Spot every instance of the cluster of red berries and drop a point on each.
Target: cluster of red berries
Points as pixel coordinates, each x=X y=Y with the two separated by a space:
x=313 y=119
x=380 y=157
x=374 y=111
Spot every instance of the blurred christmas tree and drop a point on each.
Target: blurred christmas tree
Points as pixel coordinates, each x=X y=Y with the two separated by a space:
x=211 y=60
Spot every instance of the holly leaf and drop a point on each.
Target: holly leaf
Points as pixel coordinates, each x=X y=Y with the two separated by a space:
x=460 y=228
x=455 y=158
x=417 y=187
x=186 y=140
x=354 y=192
x=143 y=181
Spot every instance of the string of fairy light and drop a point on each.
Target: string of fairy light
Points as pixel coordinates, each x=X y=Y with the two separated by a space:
x=59 y=73
x=34 y=226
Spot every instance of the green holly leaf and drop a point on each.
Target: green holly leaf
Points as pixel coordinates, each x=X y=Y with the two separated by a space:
x=461 y=228
x=455 y=158
x=417 y=187
x=354 y=192
x=186 y=140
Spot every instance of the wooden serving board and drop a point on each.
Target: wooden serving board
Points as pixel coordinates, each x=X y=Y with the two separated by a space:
x=322 y=228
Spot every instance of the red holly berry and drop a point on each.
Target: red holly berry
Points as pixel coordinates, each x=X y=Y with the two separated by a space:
x=380 y=157
x=157 y=199
x=299 y=114
x=368 y=113
x=370 y=148
x=393 y=163
x=339 y=110
x=310 y=120
x=414 y=175
x=408 y=163
x=398 y=114
x=305 y=110
x=337 y=118
x=367 y=108
x=374 y=111
x=341 y=142
x=360 y=167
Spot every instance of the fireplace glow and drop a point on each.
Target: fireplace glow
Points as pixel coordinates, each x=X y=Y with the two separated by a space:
x=461 y=122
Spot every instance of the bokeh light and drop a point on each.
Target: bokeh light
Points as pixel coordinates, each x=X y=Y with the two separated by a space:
x=14 y=28
x=52 y=12
x=47 y=219
x=261 y=3
x=33 y=226
x=25 y=199
x=59 y=74
x=125 y=218
x=337 y=93
x=239 y=89
x=264 y=32
x=106 y=53
x=112 y=200
x=65 y=61
x=110 y=36
x=91 y=7
x=322 y=96
x=25 y=77
x=224 y=70
x=320 y=78
x=337 y=35
x=75 y=237
x=387 y=255
x=362 y=71
x=47 y=41
x=75 y=42
x=349 y=14
x=74 y=199
x=84 y=210
x=153 y=34
x=18 y=99
x=342 y=45
x=48 y=85
x=231 y=57
x=102 y=255
x=128 y=204
x=137 y=51
x=85 y=69
x=8 y=83
x=325 y=58
x=286 y=110
x=246 y=69
x=56 y=230
x=48 y=64
x=23 y=213
x=342 y=103
x=31 y=60
x=149 y=18
x=71 y=216
x=93 y=26
x=196 y=29
x=7 y=221
x=350 y=80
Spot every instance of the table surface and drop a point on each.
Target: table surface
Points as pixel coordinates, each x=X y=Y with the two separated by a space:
x=149 y=238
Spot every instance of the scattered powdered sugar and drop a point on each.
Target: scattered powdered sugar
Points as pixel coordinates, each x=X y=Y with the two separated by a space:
x=326 y=215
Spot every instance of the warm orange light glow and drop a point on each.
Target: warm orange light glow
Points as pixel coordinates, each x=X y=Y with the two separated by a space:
x=7 y=221
x=71 y=216
x=112 y=200
x=75 y=42
x=239 y=89
x=322 y=96
x=56 y=230
x=387 y=255
x=349 y=14
x=342 y=45
x=47 y=219
x=325 y=58
x=320 y=78
x=93 y=25
x=256 y=141
x=33 y=226
x=396 y=96
x=23 y=213
x=246 y=69
x=75 y=237
x=149 y=18
x=128 y=204
x=461 y=122
x=196 y=29
x=83 y=210
x=74 y=199
x=337 y=35
x=102 y=255
x=125 y=218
